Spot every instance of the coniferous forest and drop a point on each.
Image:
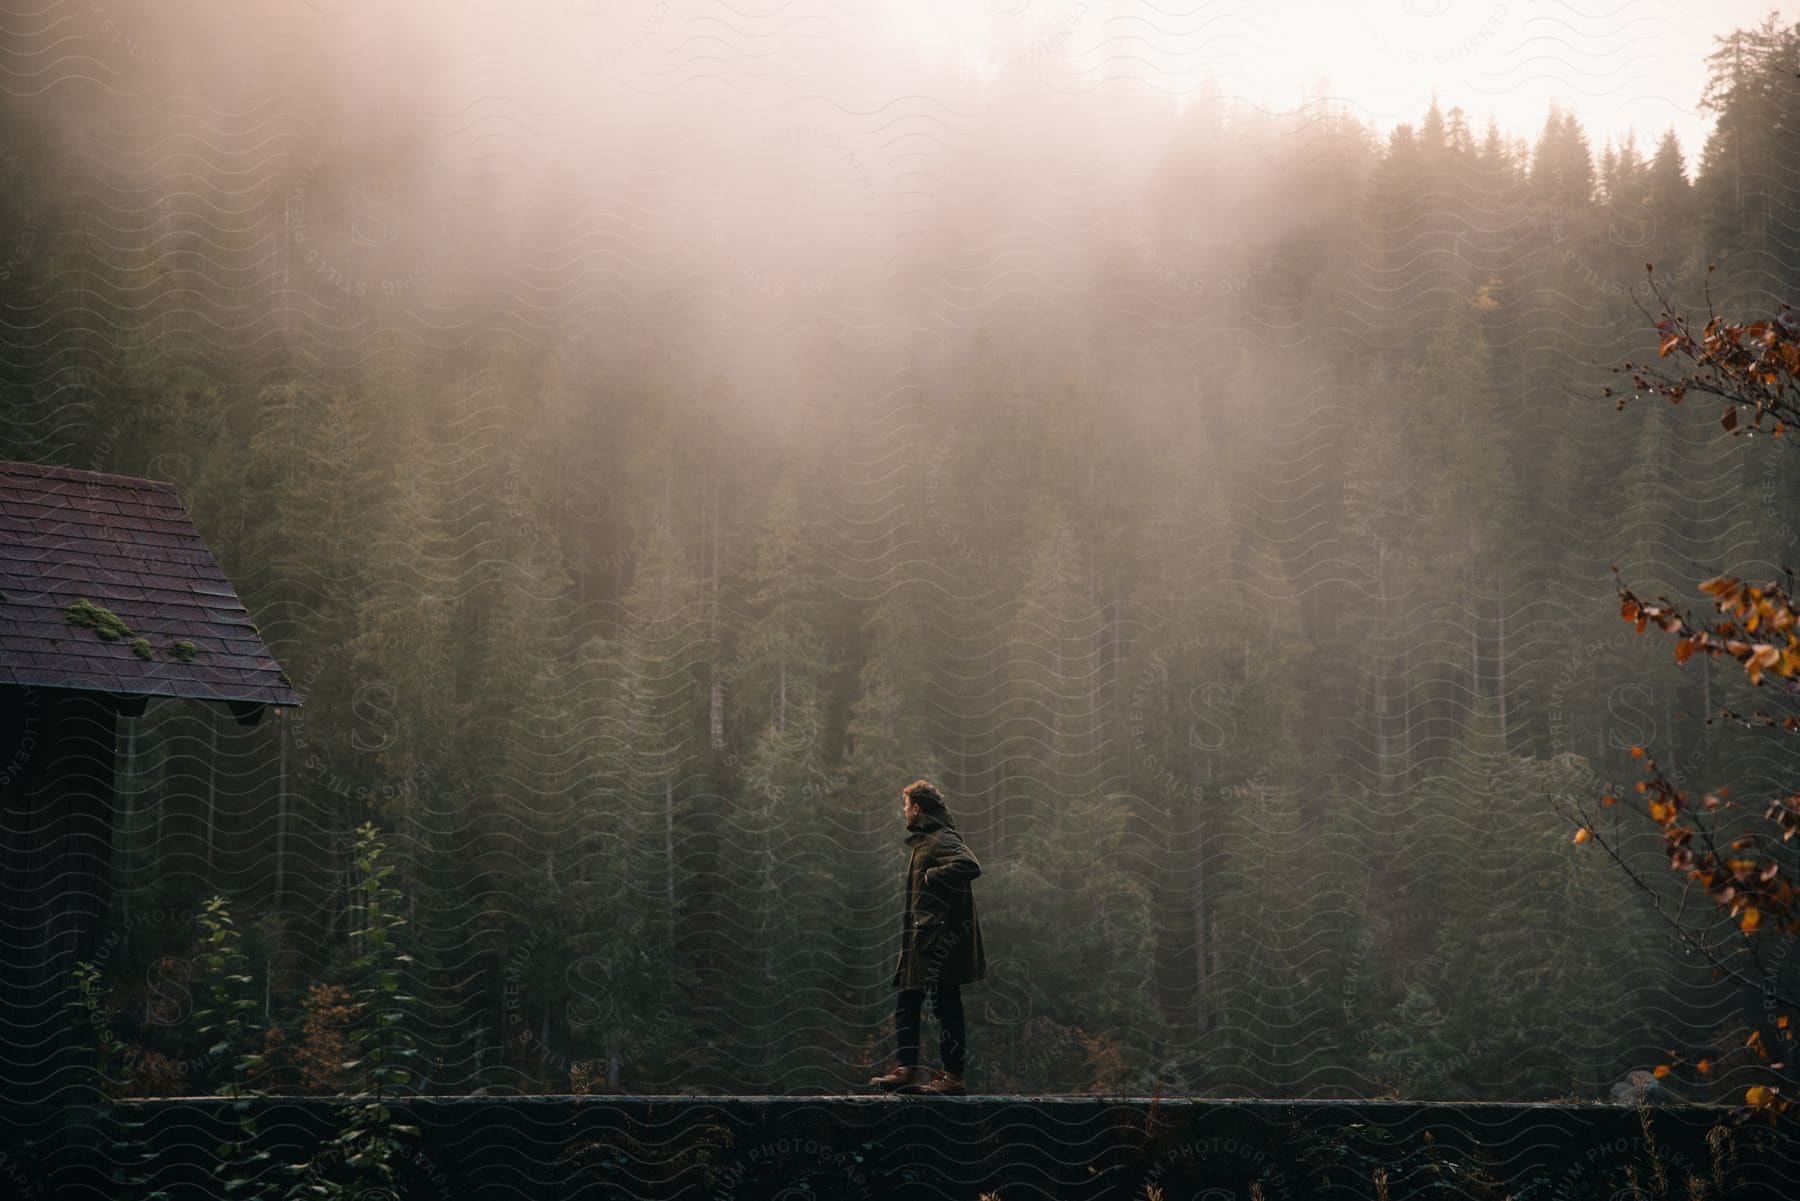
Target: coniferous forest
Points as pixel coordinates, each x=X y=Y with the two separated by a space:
x=1219 y=505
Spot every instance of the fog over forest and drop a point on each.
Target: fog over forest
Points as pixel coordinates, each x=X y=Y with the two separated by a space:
x=651 y=434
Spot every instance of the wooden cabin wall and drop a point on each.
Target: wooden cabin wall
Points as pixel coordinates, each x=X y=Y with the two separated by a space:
x=56 y=819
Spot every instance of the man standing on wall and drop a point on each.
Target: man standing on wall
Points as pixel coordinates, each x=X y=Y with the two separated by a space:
x=940 y=948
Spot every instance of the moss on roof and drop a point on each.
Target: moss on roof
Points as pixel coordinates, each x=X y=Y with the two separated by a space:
x=98 y=618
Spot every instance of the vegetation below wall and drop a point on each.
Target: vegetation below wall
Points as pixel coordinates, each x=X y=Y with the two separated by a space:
x=839 y=1147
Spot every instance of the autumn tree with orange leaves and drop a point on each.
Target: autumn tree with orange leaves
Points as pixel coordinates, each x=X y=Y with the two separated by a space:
x=1739 y=906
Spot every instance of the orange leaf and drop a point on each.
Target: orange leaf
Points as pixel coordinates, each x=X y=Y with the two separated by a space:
x=1756 y=1094
x=1582 y=835
x=1662 y=1069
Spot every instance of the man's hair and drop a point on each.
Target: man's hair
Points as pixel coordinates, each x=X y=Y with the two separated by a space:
x=925 y=795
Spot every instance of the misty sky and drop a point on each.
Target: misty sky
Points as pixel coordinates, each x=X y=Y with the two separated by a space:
x=1622 y=64
x=793 y=150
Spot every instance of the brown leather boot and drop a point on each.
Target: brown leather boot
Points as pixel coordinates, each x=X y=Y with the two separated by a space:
x=947 y=1084
x=907 y=1078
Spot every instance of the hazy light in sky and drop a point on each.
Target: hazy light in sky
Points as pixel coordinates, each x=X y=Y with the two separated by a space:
x=1620 y=66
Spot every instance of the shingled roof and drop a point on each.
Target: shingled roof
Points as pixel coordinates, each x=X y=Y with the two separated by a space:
x=127 y=547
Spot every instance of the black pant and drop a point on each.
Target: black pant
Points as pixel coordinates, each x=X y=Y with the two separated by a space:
x=953 y=1034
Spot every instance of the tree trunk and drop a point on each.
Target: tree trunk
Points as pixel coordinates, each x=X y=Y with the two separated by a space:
x=669 y=849
x=1383 y=739
x=1059 y=758
x=1474 y=649
x=1001 y=799
x=161 y=802
x=212 y=789
x=716 y=715
x=1669 y=725
x=343 y=862
x=1705 y=686
x=1404 y=773
x=1197 y=899
x=1113 y=624
x=1500 y=660
x=127 y=793
x=280 y=814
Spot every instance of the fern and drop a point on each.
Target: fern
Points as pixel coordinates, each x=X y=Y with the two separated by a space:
x=226 y=1013
x=134 y=1162
x=364 y=1155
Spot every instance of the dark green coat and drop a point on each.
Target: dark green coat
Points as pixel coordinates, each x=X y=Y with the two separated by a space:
x=940 y=937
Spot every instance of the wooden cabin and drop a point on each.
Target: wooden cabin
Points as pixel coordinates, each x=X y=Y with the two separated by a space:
x=108 y=596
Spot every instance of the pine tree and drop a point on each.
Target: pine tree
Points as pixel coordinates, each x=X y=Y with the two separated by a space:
x=402 y=654
x=1262 y=875
x=1738 y=164
x=655 y=693
x=1562 y=165
x=782 y=831
x=1503 y=993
